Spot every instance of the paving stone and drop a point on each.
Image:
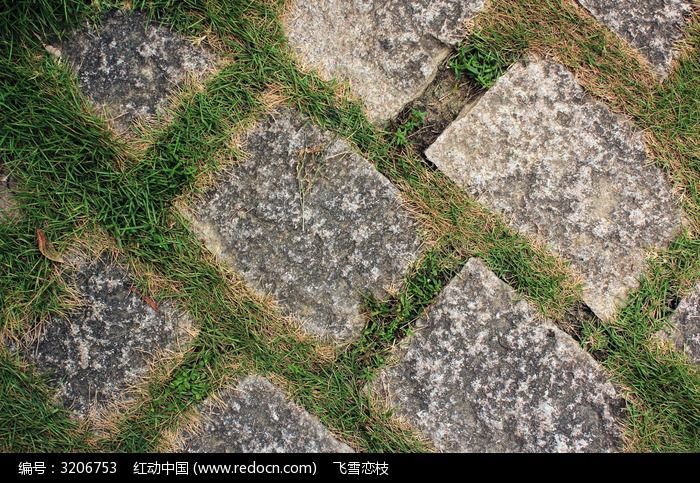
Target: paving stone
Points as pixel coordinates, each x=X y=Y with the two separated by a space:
x=652 y=26
x=685 y=324
x=7 y=205
x=389 y=50
x=565 y=169
x=318 y=253
x=130 y=66
x=484 y=374
x=106 y=344
x=255 y=417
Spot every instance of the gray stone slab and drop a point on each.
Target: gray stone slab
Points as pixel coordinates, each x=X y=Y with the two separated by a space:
x=310 y=222
x=255 y=417
x=652 y=26
x=483 y=374
x=130 y=66
x=389 y=50
x=565 y=169
x=685 y=325
x=7 y=205
x=107 y=343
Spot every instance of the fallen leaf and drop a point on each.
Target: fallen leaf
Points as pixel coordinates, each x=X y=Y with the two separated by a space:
x=46 y=248
x=152 y=303
x=146 y=298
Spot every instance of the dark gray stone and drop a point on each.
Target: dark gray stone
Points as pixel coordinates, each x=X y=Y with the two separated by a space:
x=563 y=168
x=108 y=342
x=130 y=66
x=389 y=50
x=309 y=221
x=483 y=374
x=652 y=26
x=685 y=325
x=255 y=417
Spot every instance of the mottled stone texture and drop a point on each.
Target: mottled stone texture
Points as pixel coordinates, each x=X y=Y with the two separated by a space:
x=652 y=26
x=130 y=66
x=686 y=325
x=309 y=221
x=562 y=167
x=255 y=417
x=107 y=343
x=389 y=50
x=484 y=374
x=7 y=205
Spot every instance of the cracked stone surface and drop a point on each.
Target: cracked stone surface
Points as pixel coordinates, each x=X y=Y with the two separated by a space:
x=255 y=417
x=107 y=343
x=685 y=324
x=484 y=374
x=652 y=26
x=310 y=222
x=130 y=66
x=565 y=169
x=397 y=44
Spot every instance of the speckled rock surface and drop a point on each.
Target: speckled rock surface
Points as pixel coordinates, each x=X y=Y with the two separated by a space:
x=130 y=66
x=255 y=417
x=685 y=322
x=317 y=253
x=483 y=374
x=563 y=168
x=103 y=348
x=7 y=206
x=389 y=50
x=652 y=26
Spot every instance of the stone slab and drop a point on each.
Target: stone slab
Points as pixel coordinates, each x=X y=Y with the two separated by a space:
x=7 y=205
x=106 y=344
x=389 y=50
x=255 y=417
x=685 y=325
x=652 y=26
x=484 y=374
x=309 y=221
x=130 y=66
x=563 y=168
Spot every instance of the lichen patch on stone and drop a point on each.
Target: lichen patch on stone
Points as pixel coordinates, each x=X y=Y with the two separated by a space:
x=398 y=45
x=484 y=374
x=564 y=169
x=309 y=221
x=255 y=417
x=107 y=343
x=685 y=325
x=652 y=26
x=7 y=205
x=130 y=66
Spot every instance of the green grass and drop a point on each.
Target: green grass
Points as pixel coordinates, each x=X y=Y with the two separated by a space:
x=415 y=119
x=79 y=181
x=483 y=61
x=236 y=330
x=30 y=420
x=75 y=177
x=607 y=68
x=29 y=283
x=663 y=388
